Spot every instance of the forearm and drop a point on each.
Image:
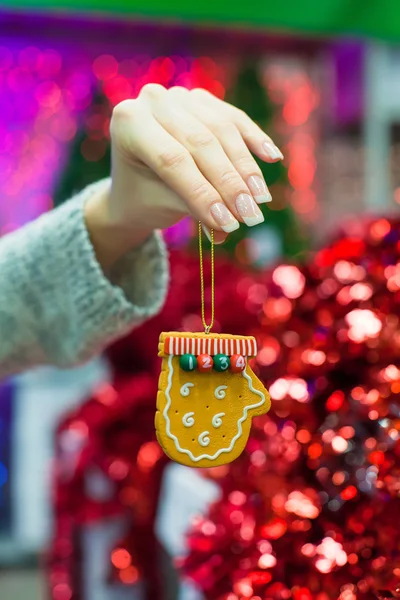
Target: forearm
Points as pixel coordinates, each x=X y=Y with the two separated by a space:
x=56 y=304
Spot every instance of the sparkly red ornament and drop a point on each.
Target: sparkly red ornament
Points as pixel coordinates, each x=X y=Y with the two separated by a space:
x=321 y=473
x=238 y=363
x=312 y=508
x=205 y=363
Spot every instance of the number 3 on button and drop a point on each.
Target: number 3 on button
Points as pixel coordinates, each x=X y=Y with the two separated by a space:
x=221 y=362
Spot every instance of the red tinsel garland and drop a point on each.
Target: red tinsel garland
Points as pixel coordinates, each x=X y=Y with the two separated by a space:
x=113 y=434
x=312 y=509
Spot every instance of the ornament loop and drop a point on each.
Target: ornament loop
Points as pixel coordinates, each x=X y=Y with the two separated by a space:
x=207 y=327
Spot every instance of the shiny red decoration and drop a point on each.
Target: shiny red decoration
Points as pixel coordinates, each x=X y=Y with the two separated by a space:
x=238 y=363
x=311 y=510
x=205 y=363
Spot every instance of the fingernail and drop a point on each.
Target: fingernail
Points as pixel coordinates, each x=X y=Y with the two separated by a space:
x=206 y=231
x=259 y=189
x=272 y=150
x=224 y=217
x=249 y=210
x=219 y=237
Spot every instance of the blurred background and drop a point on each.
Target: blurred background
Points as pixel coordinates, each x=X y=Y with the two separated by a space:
x=323 y=79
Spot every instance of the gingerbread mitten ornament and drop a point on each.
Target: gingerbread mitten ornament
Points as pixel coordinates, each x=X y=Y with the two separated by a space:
x=207 y=397
x=207 y=391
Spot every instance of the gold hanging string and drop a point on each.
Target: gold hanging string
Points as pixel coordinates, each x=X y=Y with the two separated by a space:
x=207 y=328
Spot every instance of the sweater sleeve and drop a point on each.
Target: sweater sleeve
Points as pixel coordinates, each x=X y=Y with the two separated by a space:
x=56 y=305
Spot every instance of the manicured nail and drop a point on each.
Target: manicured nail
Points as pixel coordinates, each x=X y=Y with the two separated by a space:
x=272 y=150
x=249 y=210
x=219 y=238
x=224 y=217
x=206 y=231
x=259 y=189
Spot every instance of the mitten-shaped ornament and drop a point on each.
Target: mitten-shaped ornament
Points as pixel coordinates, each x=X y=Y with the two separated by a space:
x=207 y=396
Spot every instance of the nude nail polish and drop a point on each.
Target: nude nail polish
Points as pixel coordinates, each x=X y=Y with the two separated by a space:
x=272 y=151
x=259 y=189
x=219 y=237
x=248 y=210
x=206 y=232
x=224 y=217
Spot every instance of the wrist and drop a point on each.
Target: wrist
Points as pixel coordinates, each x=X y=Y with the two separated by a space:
x=110 y=239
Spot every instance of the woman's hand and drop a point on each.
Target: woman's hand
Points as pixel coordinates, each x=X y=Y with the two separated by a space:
x=175 y=153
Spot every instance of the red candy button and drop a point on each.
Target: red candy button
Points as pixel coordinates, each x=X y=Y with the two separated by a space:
x=238 y=363
x=204 y=363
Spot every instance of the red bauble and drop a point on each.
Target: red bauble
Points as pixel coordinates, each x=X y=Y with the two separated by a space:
x=238 y=363
x=205 y=363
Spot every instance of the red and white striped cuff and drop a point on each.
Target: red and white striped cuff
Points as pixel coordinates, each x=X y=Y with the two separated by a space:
x=246 y=346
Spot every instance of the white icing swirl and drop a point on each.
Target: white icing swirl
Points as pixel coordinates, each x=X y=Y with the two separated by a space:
x=204 y=439
x=185 y=389
x=262 y=400
x=188 y=420
x=217 y=420
x=220 y=392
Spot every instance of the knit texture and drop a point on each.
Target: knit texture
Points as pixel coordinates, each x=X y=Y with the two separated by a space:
x=56 y=305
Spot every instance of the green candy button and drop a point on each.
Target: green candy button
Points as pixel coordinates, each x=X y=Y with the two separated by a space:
x=188 y=362
x=221 y=362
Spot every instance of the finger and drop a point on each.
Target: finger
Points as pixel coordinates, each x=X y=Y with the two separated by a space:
x=219 y=236
x=210 y=158
x=230 y=139
x=240 y=156
x=255 y=138
x=154 y=146
x=236 y=150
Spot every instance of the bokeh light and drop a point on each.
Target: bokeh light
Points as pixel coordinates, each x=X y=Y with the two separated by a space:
x=47 y=94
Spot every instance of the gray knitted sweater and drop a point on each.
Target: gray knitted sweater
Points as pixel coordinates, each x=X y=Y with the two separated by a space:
x=56 y=305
